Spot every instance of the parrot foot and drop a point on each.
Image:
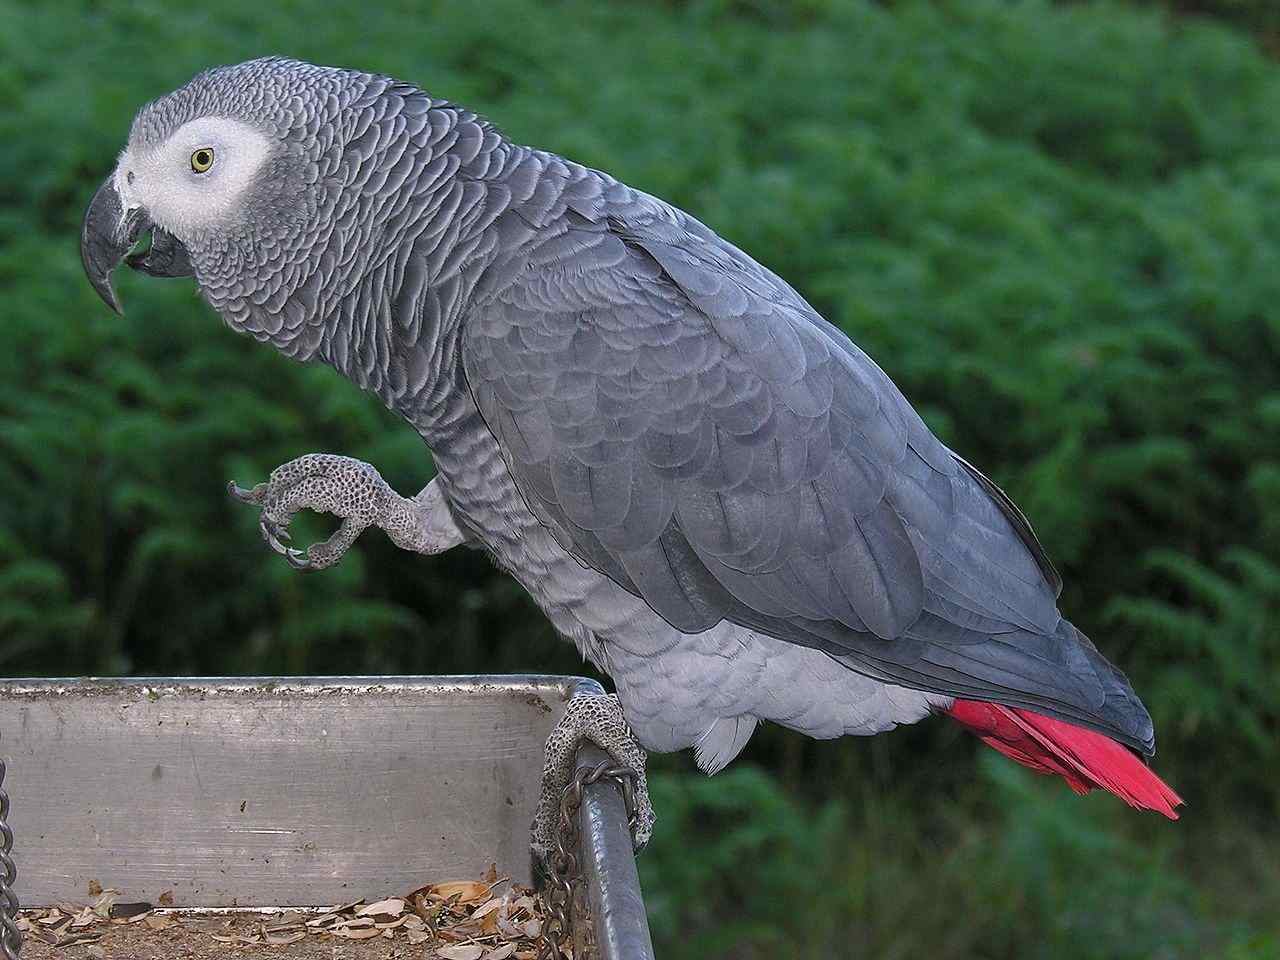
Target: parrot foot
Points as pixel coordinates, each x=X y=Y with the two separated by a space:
x=599 y=720
x=354 y=491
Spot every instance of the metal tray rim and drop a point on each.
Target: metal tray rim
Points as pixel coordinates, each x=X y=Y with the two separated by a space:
x=568 y=686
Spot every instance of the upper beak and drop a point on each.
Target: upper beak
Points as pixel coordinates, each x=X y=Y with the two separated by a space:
x=109 y=231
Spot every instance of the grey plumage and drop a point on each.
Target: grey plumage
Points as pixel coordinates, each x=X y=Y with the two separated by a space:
x=709 y=488
x=684 y=421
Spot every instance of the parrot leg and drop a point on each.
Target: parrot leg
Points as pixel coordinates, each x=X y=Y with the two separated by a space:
x=598 y=719
x=355 y=491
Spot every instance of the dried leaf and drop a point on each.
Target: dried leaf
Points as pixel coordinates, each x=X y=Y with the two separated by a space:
x=508 y=929
x=42 y=934
x=356 y=933
x=465 y=890
x=394 y=906
x=284 y=939
x=461 y=951
x=487 y=907
x=501 y=952
x=419 y=936
x=124 y=911
x=76 y=939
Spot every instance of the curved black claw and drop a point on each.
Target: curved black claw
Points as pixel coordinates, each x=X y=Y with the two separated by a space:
x=275 y=535
x=299 y=560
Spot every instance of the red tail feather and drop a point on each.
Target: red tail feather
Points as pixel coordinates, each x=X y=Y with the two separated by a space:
x=1083 y=758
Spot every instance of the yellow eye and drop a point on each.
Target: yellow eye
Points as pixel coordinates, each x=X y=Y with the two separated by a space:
x=202 y=159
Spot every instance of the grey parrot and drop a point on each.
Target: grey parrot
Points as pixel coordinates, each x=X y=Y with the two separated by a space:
x=725 y=504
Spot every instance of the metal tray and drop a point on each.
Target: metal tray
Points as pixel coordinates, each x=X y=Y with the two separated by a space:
x=252 y=792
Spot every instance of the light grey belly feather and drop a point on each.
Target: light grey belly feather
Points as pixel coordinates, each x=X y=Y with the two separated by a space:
x=678 y=690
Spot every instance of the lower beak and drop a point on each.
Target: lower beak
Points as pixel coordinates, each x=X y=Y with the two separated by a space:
x=108 y=233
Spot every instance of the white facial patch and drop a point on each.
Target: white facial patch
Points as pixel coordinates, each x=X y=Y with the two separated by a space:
x=178 y=197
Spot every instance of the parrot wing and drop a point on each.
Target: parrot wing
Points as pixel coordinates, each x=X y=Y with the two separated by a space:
x=686 y=424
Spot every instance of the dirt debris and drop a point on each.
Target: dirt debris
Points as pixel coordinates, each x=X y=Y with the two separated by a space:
x=492 y=919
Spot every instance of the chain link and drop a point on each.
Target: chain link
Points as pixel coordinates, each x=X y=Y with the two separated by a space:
x=10 y=935
x=563 y=867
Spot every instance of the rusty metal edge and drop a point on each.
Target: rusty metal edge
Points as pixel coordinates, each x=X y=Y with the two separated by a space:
x=618 y=917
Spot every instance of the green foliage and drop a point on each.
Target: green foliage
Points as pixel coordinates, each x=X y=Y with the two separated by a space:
x=1055 y=227
x=1260 y=16
x=1039 y=873
x=1218 y=632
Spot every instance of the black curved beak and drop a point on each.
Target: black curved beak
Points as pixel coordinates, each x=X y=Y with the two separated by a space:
x=109 y=233
x=105 y=237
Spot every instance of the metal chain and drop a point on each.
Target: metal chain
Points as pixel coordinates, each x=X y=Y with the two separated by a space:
x=563 y=867
x=10 y=935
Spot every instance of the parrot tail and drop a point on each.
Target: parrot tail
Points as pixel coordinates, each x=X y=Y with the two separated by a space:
x=1085 y=759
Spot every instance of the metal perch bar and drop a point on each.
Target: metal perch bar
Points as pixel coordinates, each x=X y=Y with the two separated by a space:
x=618 y=917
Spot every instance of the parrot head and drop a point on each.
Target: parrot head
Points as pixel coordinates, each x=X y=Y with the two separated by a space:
x=238 y=178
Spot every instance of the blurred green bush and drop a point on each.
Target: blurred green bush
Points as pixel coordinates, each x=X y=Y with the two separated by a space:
x=1055 y=227
x=1260 y=16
